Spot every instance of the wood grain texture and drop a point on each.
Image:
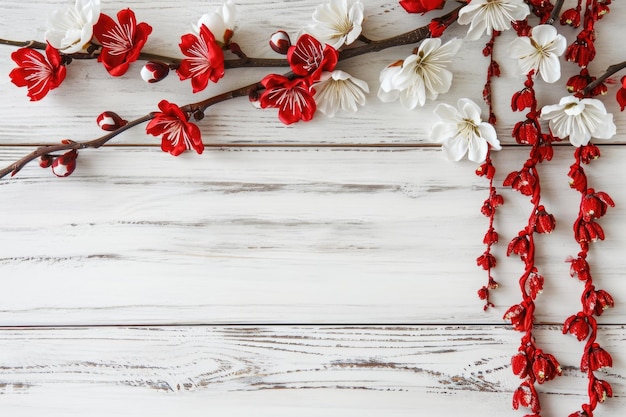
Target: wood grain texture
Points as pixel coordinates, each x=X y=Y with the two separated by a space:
x=312 y=370
x=71 y=110
x=315 y=235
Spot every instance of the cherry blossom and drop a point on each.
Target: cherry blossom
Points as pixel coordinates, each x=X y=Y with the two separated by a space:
x=337 y=22
x=489 y=15
x=38 y=74
x=221 y=22
x=420 y=76
x=422 y=6
x=205 y=62
x=177 y=133
x=121 y=43
x=579 y=119
x=69 y=30
x=308 y=57
x=293 y=98
x=540 y=52
x=462 y=131
x=339 y=90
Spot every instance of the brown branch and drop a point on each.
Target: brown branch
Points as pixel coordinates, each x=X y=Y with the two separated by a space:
x=197 y=109
x=610 y=71
x=555 y=12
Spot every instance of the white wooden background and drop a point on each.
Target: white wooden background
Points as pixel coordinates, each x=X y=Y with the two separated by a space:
x=325 y=268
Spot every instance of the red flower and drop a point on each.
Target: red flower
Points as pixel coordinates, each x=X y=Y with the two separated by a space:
x=578 y=178
x=519 y=245
x=545 y=367
x=542 y=221
x=121 y=43
x=594 y=205
x=526 y=396
x=596 y=301
x=517 y=315
x=36 y=73
x=206 y=60
x=526 y=132
x=577 y=325
x=581 y=52
x=293 y=98
x=600 y=390
x=587 y=231
x=523 y=181
x=595 y=358
x=588 y=153
x=486 y=261
x=177 y=133
x=535 y=284
x=571 y=17
x=520 y=364
x=621 y=94
x=422 y=6
x=308 y=58
x=580 y=268
x=523 y=99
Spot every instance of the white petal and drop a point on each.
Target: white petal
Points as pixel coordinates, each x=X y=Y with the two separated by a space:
x=441 y=132
x=477 y=150
x=455 y=148
x=606 y=129
x=550 y=68
x=388 y=96
x=488 y=133
x=410 y=101
x=429 y=45
x=521 y=47
x=469 y=110
x=544 y=34
x=447 y=113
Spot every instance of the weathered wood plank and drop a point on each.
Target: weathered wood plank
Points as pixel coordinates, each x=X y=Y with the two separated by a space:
x=71 y=110
x=270 y=235
x=278 y=370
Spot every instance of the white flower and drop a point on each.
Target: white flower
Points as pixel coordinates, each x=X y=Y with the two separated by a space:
x=70 y=29
x=579 y=119
x=422 y=75
x=461 y=131
x=221 y=22
x=337 y=22
x=490 y=15
x=540 y=52
x=337 y=90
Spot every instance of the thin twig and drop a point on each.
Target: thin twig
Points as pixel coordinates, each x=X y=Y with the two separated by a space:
x=610 y=71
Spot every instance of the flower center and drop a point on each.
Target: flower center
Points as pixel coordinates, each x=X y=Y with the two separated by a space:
x=468 y=129
x=342 y=28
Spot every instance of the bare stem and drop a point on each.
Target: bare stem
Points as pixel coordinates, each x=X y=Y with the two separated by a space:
x=197 y=109
x=555 y=12
x=610 y=71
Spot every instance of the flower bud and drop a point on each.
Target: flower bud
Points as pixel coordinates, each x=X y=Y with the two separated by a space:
x=595 y=358
x=486 y=261
x=65 y=164
x=519 y=245
x=578 y=178
x=596 y=301
x=517 y=316
x=491 y=237
x=542 y=221
x=110 y=121
x=45 y=161
x=577 y=325
x=545 y=367
x=580 y=52
x=523 y=99
x=599 y=10
x=487 y=170
x=571 y=17
x=589 y=152
x=526 y=396
x=580 y=268
x=523 y=181
x=579 y=82
x=526 y=132
x=154 y=71
x=280 y=42
x=587 y=231
x=437 y=27
x=600 y=390
x=594 y=205
x=520 y=365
